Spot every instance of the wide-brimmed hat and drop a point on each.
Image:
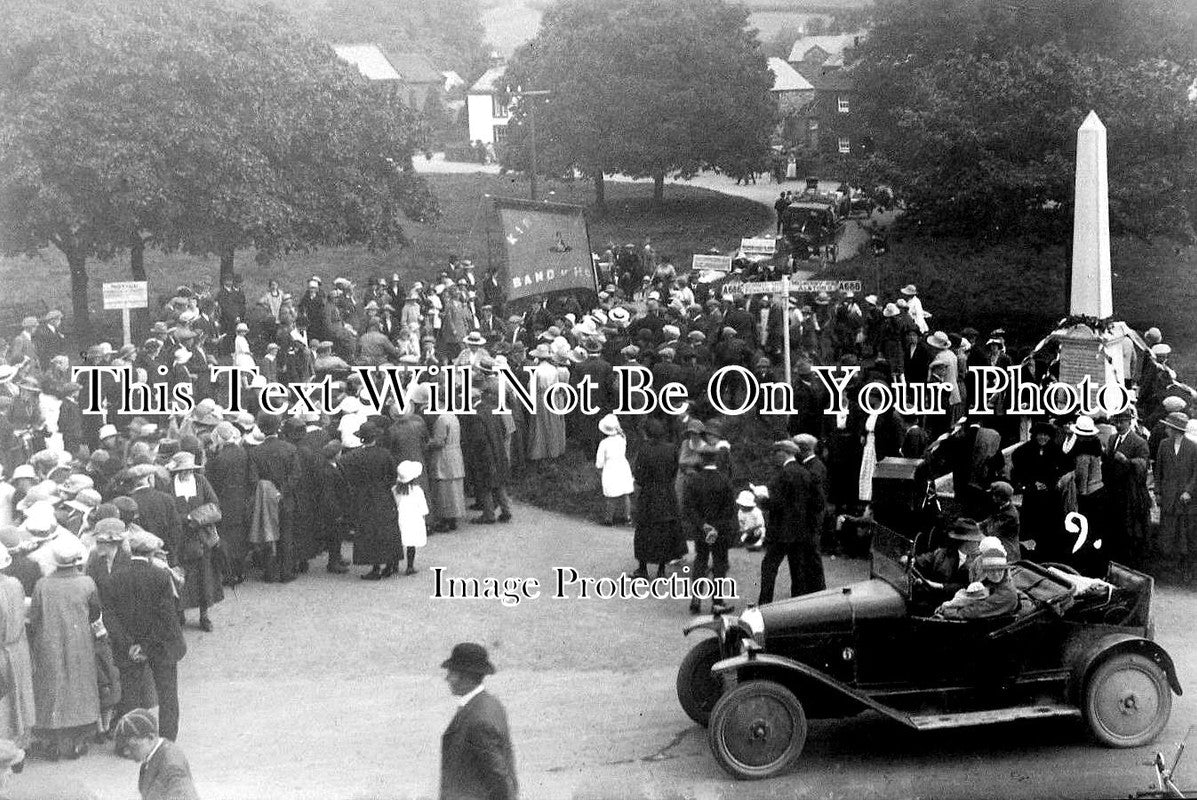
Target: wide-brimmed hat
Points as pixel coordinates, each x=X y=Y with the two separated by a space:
x=910 y=290
x=470 y=658
x=1177 y=420
x=609 y=425
x=1084 y=426
x=182 y=461
x=408 y=471
x=966 y=529
x=746 y=499
x=890 y=310
x=939 y=340
x=619 y=316
x=475 y=339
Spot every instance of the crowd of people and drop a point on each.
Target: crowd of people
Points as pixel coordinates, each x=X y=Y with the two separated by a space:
x=116 y=524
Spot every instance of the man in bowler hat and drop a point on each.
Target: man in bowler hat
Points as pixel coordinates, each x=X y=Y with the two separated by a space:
x=476 y=756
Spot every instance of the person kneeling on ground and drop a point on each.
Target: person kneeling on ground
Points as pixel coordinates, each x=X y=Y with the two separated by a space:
x=165 y=773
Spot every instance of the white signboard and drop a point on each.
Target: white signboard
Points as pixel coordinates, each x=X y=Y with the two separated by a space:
x=716 y=263
x=776 y=287
x=126 y=294
x=758 y=247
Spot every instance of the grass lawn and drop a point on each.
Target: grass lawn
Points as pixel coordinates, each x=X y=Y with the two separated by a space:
x=691 y=221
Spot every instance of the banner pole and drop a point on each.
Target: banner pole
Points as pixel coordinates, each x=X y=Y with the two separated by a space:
x=126 y=324
x=785 y=326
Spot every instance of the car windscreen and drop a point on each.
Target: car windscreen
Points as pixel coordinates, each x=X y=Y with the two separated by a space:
x=888 y=550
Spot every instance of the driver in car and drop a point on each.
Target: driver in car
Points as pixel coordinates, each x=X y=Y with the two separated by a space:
x=993 y=572
x=949 y=568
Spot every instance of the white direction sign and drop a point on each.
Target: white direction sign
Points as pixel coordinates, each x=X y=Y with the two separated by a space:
x=716 y=263
x=126 y=294
x=758 y=246
x=777 y=287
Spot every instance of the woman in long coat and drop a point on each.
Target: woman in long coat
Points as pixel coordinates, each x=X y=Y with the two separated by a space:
x=65 y=682
x=228 y=473
x=17 y=713
x=658 y=538
x=192 y=491
x=548 y=428
x=369 y=473
x=446 y=469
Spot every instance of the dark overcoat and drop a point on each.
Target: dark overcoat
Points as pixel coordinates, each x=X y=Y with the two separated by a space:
x=370 y=473
x=477 y=761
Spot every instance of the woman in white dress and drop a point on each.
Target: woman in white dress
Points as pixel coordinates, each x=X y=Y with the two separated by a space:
x=611 y=460
x=413 y=509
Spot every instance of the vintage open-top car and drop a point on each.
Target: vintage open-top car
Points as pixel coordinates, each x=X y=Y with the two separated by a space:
x=877 y=645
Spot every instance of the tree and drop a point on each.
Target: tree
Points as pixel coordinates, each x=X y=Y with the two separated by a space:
x=974 y=106
x=644 y=87
x=191 y=126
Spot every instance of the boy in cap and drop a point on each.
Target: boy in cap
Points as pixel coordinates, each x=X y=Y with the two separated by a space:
x=751 y=521
x=165 y=772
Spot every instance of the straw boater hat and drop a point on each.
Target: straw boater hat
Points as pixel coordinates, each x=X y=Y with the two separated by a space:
x=619 y=316
x=746 y=499
x=890 y=310
x=910 y=290
x=1084 y=426
x=475 y=339
x=408 y=471
x=940 y=341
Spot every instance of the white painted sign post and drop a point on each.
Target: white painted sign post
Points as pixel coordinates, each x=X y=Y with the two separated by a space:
x=126 y=295
x=709 y=262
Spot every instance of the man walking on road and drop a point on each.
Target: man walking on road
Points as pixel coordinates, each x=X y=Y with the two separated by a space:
x=476 y=757
x=792 y=503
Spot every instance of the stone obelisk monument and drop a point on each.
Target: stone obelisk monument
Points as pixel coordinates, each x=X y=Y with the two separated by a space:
x=1083 y=350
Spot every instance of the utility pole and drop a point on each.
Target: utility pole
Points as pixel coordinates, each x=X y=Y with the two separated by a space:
x=520 y=93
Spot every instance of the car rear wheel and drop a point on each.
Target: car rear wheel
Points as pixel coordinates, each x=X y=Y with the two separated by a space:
x=697 y=689
x=1127 y=700
x=757 y=730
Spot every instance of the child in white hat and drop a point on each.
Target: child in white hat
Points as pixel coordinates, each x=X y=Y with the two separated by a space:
x=413 y=509
x=611 y=460
x=752 y=521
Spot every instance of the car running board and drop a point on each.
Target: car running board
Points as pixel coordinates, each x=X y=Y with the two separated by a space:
x=930 y=722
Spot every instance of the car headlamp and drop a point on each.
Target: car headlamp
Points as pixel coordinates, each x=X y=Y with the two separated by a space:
x=753 y=621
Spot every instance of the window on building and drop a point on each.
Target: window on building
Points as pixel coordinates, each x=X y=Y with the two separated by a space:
x=845 y=145
x=498 y=108
x=500 y=134
x=843 y=104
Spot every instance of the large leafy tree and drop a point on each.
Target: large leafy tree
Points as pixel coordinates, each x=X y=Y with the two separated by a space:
x=185 y=125
x=974 y=106
x=649 y=88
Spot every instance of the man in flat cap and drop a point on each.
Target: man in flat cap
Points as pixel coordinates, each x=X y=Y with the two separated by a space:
x=477 y=762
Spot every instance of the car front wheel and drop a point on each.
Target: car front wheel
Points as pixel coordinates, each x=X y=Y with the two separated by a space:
x=1127 y=700
x=757 y=730
x=697 y=688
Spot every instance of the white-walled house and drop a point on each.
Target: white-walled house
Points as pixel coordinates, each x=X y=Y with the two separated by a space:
x=488 y=113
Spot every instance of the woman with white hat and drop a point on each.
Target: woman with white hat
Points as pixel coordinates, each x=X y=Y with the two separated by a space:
x=611 y=460
x=996 y=595
x=16 y=667
x=64 y=606
x=1083 y=451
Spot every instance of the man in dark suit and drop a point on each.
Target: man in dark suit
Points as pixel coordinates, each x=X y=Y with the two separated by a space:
x=156 y=510
x=477 y=761
x=1175 y=488
x=946 y=569
x=143 y=602
x=277 y=461
x=791 y=507
x=1124 y=470
x=165 y=773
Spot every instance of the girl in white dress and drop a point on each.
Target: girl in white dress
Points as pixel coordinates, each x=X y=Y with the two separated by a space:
x=413 y=508
x=611 y=461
